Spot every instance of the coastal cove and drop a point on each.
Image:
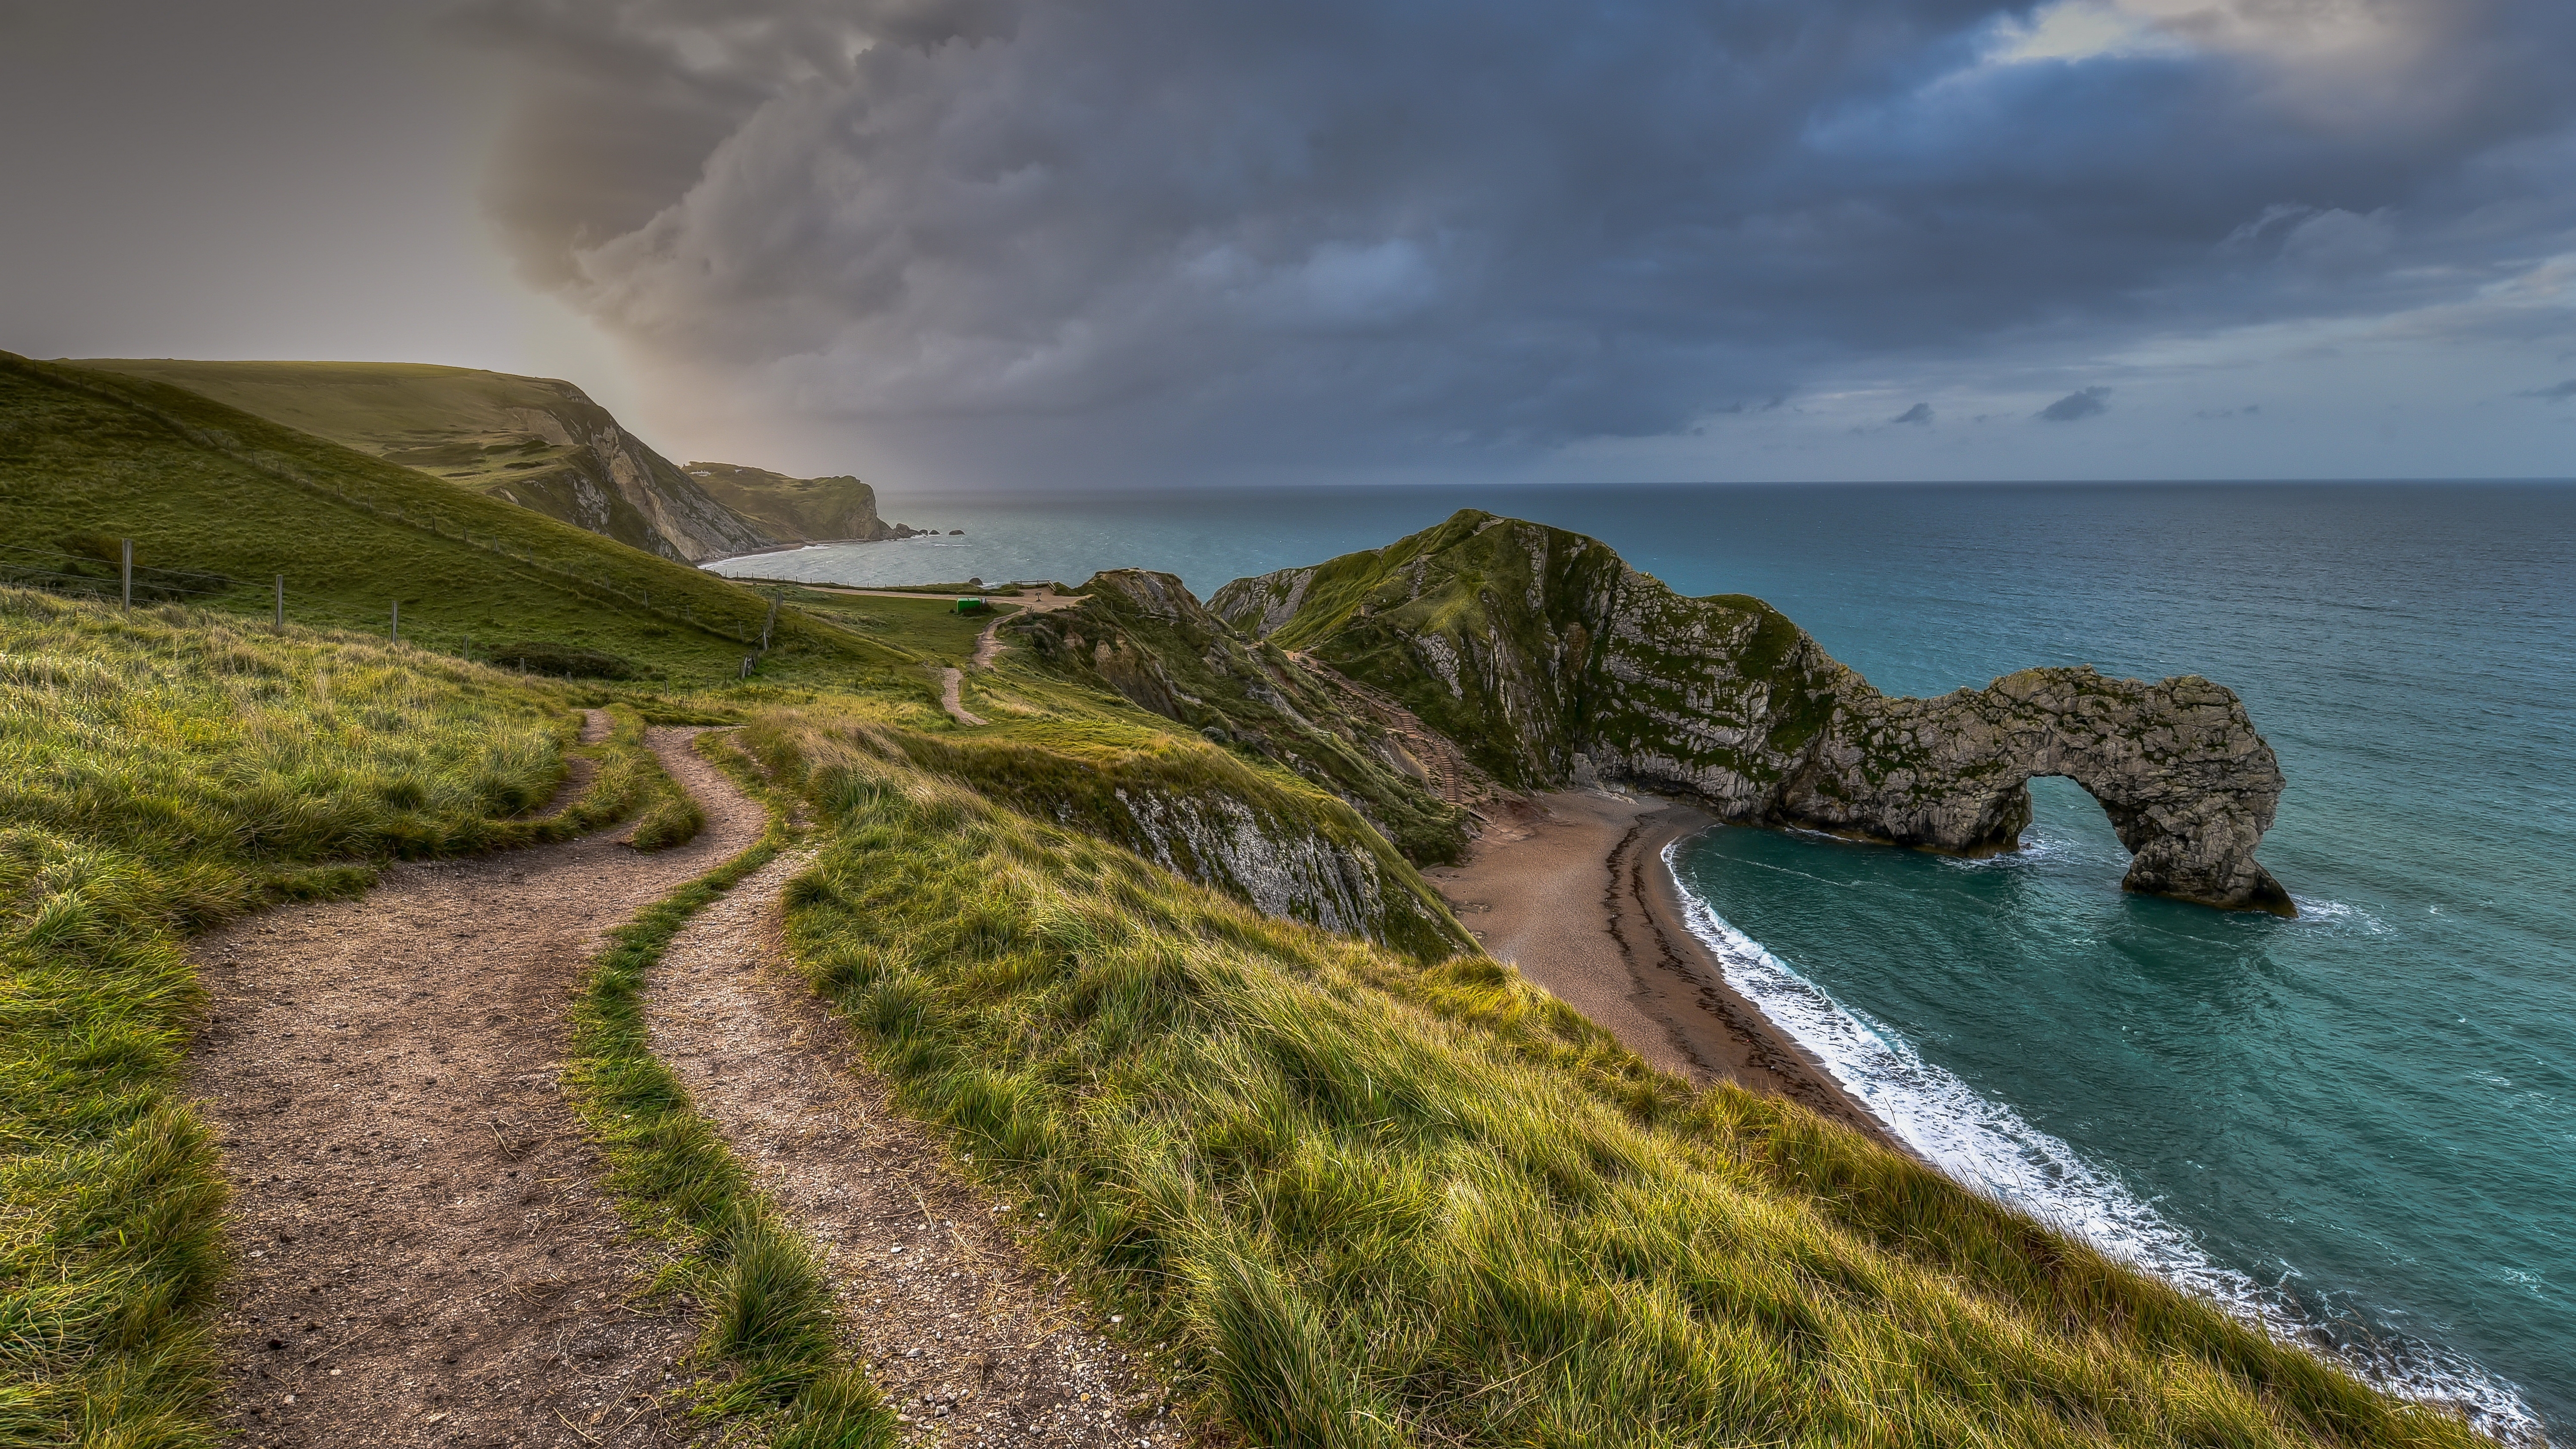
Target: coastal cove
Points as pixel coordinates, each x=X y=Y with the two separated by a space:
x=2367 y=1113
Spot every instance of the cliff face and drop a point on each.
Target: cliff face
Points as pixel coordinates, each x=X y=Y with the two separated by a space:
x=798 y=510
x=601 y=478
x=1143 y=635
x=533 y=441
x=1287 y=848
x=1545 y=657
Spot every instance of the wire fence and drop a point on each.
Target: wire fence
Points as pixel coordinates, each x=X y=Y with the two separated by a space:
x=98 y=569
x=106 y=570
x=104 y=573
x=595 y=581
x=91 y=571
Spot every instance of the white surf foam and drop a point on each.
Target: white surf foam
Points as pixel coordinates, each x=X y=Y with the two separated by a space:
x=2335 y=915
x=2036 y=848
x=1991 y=1148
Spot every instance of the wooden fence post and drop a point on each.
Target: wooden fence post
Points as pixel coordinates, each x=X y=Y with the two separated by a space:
x=397 y=634
x=771 y=624
x=129 y=574
x=281 y=603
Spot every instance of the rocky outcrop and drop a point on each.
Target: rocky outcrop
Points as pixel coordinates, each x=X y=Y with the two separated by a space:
x=1545 y=657
x=600 y=475
x=2176 y=765
x=798 y=510
x=1295 y=875
x=1143 y=635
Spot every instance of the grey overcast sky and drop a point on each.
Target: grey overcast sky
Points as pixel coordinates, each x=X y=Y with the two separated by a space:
x=996 y=243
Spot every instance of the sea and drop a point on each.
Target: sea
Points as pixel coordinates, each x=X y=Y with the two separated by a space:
x=2356 y=1128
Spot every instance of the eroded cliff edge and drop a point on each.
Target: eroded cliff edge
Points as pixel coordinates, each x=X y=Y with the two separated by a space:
x=1546 y=658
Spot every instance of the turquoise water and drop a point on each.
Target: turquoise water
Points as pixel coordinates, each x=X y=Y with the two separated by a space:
x=2359 y=1125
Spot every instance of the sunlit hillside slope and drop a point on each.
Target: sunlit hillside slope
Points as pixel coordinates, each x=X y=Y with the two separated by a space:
x=534 y=441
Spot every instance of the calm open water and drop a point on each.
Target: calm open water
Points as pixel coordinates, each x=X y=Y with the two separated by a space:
x=2361 y=1123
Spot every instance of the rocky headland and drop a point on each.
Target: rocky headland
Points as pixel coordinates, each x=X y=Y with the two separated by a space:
x=799 y=510
x=1549 y=661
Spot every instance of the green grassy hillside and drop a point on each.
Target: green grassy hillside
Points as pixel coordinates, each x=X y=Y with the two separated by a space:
x=219 y=502
x=1529 y=645
x=1477 y=625
x=533 y=441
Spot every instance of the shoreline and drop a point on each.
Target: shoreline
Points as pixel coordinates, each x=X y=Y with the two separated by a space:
x=1571 y=889
x=787 y=548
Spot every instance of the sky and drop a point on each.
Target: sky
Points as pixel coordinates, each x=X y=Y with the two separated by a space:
x=1016 y=244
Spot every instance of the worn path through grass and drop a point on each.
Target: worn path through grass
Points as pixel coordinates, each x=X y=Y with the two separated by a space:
x=974 y=1345
x=425 y=1255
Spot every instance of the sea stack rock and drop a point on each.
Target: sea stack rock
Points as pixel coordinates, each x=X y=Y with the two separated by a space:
x=1534 y=648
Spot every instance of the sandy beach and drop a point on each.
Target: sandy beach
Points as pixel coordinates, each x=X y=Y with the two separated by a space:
x=1571 y=889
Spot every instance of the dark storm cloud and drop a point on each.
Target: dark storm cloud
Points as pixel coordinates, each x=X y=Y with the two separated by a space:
x=1541 y=221
x=2076 y=406
x=1919 y=413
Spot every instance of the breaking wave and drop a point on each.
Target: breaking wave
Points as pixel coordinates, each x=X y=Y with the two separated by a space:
x=1988 y=1146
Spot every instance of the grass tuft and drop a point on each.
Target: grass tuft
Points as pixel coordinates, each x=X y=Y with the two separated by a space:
x=672 y=820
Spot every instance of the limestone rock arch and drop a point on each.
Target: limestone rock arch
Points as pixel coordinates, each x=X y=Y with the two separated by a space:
x=2176 y=765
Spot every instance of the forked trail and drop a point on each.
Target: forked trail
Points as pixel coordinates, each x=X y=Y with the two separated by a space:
x=426 y=1255
x=974 y=1345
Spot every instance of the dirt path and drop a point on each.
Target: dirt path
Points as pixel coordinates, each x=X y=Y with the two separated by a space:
x=975 y=1347
x=425 y=1257
x=988 y=645
x=952 y=684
